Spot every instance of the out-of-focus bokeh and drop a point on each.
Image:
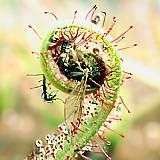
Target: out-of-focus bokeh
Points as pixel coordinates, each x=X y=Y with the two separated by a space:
x=24 y=116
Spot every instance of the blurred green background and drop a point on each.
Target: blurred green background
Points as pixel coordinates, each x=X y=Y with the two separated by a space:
x=24 y=116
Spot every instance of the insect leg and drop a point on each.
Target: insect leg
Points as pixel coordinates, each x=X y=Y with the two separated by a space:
x=36 y=87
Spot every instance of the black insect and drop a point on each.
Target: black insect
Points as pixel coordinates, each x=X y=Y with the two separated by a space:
x=48 y=97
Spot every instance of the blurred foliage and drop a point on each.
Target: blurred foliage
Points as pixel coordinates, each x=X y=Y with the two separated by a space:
x=24 y=116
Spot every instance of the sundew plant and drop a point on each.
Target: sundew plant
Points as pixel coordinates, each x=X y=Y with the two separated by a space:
x=80 y=58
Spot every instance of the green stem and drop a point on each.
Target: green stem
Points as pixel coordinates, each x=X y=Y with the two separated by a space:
x=87 y=132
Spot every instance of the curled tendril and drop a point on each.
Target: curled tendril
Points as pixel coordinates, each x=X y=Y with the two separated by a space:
x=80 y=60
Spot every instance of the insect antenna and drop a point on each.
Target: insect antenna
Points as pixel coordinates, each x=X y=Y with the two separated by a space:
x=51 y=13
x=39 y=80
x=124 y=104
x=75 y=13
x=111 y=27
x=122 y=34
x=124 y=48
x=35 y=32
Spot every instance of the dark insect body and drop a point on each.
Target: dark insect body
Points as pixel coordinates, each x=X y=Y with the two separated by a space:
x=48 y=97
x=75 y=70
x=73 y=63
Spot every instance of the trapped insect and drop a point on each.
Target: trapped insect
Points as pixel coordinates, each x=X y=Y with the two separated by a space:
x=47 y=97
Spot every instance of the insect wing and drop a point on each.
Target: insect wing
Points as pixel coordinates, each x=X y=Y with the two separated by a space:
x=73 y=104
